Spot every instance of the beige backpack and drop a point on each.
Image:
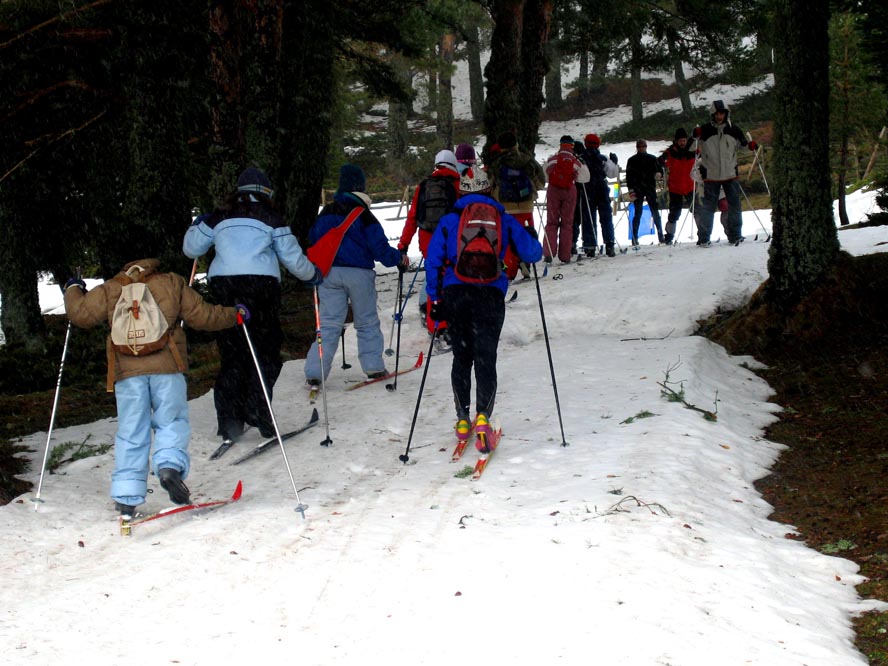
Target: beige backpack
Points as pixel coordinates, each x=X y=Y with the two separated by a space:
x=138 y=326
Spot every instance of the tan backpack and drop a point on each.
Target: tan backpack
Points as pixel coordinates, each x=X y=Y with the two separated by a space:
x=138 y=326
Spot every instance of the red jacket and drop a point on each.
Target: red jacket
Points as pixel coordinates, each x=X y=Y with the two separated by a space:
x=679 y=162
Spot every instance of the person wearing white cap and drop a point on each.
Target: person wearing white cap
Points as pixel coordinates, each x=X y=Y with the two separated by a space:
x=434 y=197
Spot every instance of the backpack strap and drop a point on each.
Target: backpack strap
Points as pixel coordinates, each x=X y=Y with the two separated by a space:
x=177 y=357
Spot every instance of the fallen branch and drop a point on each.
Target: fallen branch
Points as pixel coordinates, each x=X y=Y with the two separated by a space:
x=618 y=507
x=679 y=396
x=645 y=339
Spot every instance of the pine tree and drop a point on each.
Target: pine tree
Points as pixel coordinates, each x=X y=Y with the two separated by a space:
x=805 y=244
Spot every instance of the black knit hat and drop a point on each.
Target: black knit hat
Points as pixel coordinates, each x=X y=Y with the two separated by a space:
x=352 y=179
x=567 y=138
x=680 y=133
x=254 y=180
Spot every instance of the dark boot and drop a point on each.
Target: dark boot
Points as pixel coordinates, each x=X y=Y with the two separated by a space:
x=126 y=511
x=609 y=250
x=230 y=429
x=171 y=481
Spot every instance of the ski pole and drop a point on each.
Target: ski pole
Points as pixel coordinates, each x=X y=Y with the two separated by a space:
x=767 y=234
x=759 y=161
x=394 y=385
x=404 y=457
x=399 y=312
x=591 y=220
x=55 y=403
x=549 y=352
x=345 y=366
x=688 y=212
x=327 y=441
x=193 y=272
x=300 y=507
x=388 y=350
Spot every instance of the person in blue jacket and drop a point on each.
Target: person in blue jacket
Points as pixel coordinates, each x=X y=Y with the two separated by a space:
x=352 y=278
x=475 y=312
x=251 y=241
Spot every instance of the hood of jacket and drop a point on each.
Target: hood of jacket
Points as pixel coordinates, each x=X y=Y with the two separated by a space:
x=467 y=199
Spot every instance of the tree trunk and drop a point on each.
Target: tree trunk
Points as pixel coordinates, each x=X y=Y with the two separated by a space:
x=503 y=104
x=554 y=99
x=397 y=134
x=444 y=116
x=843 y=172
x=20 y=318
x=263 y=102
x=635 y=95
x=805 y=243
x=432 y=87
x=476 y=74
x=583 y=79
x=681 y=83
x=309 y=77
x=228 y=139
x=535 y=64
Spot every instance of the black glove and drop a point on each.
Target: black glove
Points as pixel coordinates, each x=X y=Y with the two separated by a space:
x=316 y=280
x=438 y=312
x=243 y=311
x=76 y=282
x=203 y=217
x=404 y=264
x=613 y=158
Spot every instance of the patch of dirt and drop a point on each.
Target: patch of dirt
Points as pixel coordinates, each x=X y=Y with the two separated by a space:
x=828 y=365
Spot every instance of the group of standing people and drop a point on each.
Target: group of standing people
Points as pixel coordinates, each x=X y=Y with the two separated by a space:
x=712 y=162
x=577 y=197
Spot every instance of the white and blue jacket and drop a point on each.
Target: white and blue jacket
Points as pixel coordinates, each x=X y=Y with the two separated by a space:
x=250 y=239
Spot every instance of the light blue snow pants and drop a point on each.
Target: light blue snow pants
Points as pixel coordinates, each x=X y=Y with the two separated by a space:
x=148 y=403
x=344 y=284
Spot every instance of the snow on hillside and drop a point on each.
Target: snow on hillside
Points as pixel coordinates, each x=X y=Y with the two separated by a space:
x=642 y=542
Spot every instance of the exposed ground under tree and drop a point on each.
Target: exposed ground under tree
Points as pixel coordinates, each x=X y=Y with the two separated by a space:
x=828 y=365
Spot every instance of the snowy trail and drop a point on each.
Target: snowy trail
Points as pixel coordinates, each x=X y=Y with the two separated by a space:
x=547 y=559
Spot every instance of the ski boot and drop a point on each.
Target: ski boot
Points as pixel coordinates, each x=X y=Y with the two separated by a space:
x=482 y=430
x=171 y=481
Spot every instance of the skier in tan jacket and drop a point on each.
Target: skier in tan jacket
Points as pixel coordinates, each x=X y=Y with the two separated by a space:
x=150 y=388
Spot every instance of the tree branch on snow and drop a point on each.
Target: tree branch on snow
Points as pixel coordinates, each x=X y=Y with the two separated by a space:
x=619 y=508
x=666 y=391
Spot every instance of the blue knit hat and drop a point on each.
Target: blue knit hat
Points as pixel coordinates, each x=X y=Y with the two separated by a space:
x=351 y=179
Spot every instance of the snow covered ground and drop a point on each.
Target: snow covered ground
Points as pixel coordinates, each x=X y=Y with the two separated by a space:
x=642 y=542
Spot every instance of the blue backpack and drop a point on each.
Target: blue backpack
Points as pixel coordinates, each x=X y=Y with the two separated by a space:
x=514 y=185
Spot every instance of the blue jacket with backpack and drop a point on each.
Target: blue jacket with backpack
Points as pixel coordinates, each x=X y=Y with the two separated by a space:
x=365 y=241
x=443 y=247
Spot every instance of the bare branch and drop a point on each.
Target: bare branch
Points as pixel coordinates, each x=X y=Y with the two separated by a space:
x=55 y=19
x=68 y=132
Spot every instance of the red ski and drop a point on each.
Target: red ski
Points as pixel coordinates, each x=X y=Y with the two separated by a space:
x=126 y=526
x=459 y=450
x=390 y=375
x=492 y=443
